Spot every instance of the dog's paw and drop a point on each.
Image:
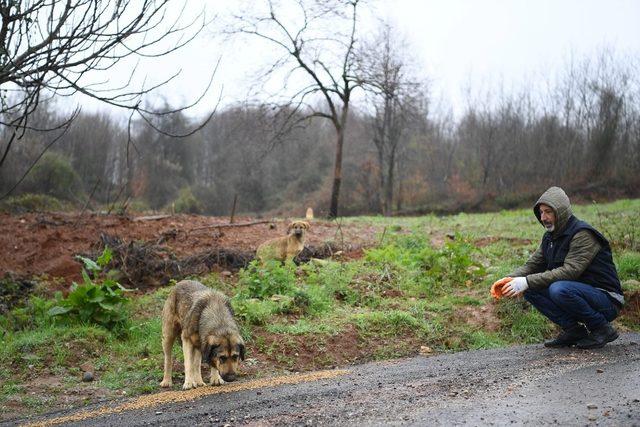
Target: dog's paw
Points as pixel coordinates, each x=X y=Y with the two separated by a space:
x=189 y=385
x=200 y=383
x=217 y=380
x=166 y=383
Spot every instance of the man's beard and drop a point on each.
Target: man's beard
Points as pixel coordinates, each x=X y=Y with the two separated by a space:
x=549 y=226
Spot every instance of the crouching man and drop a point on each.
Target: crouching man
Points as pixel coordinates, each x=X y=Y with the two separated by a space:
x=571 y=278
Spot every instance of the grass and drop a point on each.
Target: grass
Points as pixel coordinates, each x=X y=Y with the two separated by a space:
x=628 y=264
x=417 y=288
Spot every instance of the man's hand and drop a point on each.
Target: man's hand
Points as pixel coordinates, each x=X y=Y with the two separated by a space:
x=496 y=288
x=515 y=287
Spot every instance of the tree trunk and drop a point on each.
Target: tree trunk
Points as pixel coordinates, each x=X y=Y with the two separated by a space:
x=337 y=174
x=380 y=195
x=388 y=191
x=399 y=196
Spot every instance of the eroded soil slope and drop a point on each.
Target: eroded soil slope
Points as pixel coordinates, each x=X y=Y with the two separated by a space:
x=39 y=244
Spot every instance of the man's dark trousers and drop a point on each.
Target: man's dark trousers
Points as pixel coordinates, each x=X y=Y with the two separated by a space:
x=568 y=303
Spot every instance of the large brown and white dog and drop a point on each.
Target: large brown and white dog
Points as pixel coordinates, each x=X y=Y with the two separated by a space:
x=285 y=247
x=203 y=319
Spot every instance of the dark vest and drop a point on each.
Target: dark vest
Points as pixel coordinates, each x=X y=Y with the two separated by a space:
x=601 y=273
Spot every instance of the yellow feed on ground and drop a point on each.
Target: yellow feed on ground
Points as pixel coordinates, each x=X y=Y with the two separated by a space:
x=152 y=400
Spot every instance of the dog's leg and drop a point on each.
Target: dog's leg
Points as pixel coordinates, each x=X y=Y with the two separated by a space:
x=197 y=368
x=168 y=337
x=187 y=349
x=216 y=379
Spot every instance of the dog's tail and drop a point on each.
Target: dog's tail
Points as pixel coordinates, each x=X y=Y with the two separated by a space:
x=169 y=305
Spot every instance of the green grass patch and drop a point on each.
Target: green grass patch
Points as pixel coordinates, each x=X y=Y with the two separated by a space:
x=305 y=327
x=479 y=339
x=386 y=323
x=628 y=264
x=521 y=323
x=30 y=202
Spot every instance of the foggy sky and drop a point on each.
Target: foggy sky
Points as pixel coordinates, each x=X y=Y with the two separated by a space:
x=457 y=44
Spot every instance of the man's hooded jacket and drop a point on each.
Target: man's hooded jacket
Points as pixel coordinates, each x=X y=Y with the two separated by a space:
x=574 y=250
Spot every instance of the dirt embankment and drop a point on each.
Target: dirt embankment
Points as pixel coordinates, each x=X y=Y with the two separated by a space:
x=38 y=244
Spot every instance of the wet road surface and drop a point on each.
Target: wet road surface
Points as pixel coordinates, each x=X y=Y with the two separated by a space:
x=524 y=385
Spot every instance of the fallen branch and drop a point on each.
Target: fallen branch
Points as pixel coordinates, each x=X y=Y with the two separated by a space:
x=148 y=265
x=150 y=218
x=244 y=224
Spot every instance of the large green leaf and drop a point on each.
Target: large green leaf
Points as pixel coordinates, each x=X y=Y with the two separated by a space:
x=89 y=264
x=108 y=306
x=58 y=310
x=104 y=259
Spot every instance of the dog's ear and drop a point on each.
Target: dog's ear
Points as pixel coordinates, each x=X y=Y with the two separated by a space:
x=306 y=225
x=209 y=352
x=242 y=351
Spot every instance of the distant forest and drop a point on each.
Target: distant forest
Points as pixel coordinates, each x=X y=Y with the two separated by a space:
x=582 y=133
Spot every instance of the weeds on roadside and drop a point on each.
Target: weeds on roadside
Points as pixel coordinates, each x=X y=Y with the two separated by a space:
x=265 y=280
x=628 y=265
x=433 y=270
x=268 y=289
x=522 y=323
x=100 y=302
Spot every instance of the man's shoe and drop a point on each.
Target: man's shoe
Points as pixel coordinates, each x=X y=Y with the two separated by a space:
x=568 y=337
x=599 y=337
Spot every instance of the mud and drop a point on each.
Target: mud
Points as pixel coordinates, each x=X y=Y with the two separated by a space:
x=45 y=245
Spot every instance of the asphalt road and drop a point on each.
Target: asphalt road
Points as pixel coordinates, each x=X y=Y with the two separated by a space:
x=528 y=385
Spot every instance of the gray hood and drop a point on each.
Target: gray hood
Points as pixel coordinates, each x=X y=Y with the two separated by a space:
x=557 y=199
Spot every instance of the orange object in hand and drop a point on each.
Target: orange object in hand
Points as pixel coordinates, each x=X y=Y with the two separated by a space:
x=496 y=288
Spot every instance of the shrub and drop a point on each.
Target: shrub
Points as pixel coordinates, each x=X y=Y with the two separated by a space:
x=412 y=257
x=331 y=281
x=459 y=264
x=33 y=314
x=252 y=310
x=54 y=176
x=269 y=289
x=208 y=198
x=31 y=203
x=265 y=280
x=102 y=303
x=187 y=202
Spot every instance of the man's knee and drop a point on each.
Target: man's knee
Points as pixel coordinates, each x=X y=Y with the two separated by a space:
x=560 y=290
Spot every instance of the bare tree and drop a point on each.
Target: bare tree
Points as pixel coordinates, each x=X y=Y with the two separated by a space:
x=314 y=45
x=396 y=98
x=52 y=48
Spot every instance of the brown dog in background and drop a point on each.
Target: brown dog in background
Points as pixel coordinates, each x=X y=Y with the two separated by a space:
x=286 y=247
x=203 y=319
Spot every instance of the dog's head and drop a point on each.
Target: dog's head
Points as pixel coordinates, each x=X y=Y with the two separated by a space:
x=224 y=353
x=298 y=228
